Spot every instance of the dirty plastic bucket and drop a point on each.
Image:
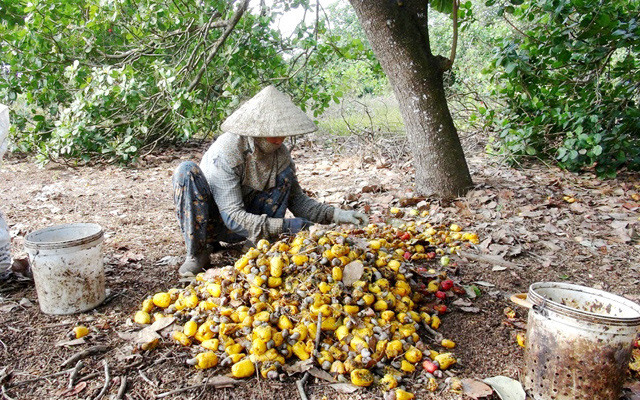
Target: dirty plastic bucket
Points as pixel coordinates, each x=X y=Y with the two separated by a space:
x=578 y=342
x=68 y=270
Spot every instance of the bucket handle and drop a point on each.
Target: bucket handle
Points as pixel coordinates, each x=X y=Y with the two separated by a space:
x=521 y=300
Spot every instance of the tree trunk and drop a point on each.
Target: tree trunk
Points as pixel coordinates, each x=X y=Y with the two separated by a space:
x=398 y=33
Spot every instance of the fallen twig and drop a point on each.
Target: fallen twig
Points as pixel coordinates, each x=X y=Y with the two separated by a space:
x=437 y=336
x=146 y=379
x=87 y=377
x=74 y=373
x=84 y=353
x=107 y=381
x=135 y=364
x=110 y=297
x=258 y=378
x=4 y=393
x=38 y=378
x=123 y=387
x=300 y=384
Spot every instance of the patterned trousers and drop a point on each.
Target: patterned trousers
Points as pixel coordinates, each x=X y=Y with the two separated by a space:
x=201 y=223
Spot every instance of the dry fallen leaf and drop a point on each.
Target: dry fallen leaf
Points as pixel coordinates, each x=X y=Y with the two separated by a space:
x=359 y=243
x=222 y=381
x=161 y=323
x=476 y=389
x=483 y=283
x=462 y=303
x=73 y=342
x=212 y=273
x=344 y=387
x=149 y=334
x=130 y=257
x=298 y=367
x=22 y=267
x=320 y=374
x=8 y=307
x=410 y=201
x=24 y=302
x=506 y=388
x=372 y=189
x=352 y=272
x=77 y=389
x=146 y=336
x=235 y=303
x=551 y=246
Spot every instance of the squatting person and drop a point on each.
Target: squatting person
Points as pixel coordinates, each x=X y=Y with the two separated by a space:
x=246 y=181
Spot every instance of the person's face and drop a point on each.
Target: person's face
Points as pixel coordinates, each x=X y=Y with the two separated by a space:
x=275 y=140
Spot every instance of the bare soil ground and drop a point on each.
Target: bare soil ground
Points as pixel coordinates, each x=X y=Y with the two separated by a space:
x=525 y=217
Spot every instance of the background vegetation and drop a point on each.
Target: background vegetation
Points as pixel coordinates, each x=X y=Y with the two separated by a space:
x=569 y=78
x=89 y=80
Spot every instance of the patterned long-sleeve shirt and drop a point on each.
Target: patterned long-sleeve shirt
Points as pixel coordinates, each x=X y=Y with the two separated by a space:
x=225 y=166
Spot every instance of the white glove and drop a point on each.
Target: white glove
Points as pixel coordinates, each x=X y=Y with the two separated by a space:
x=349 y=217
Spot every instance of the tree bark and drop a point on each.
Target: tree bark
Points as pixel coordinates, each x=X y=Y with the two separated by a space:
x=399 y=36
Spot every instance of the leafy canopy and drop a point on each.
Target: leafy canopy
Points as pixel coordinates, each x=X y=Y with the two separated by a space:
x=107 y=80
x=570 y=80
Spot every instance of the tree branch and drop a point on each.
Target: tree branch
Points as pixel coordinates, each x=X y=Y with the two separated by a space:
x=223 y=38
x=454 y=42
x=203 y=39
x=518 y=30
x=149 y=50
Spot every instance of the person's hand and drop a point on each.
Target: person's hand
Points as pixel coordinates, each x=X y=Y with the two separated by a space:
x=295 y=225
x=349 y=217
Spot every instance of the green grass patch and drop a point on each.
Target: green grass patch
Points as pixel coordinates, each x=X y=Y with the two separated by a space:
x=374 y=116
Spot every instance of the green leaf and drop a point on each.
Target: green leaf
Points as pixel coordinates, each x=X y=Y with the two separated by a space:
x=510 y=67
x=444 y=6
x=562 y=151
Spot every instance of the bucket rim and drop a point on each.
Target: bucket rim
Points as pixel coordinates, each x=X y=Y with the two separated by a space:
x=32 y=244
x=539 y=300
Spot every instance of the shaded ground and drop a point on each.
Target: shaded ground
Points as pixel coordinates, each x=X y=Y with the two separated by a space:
x=546 y=224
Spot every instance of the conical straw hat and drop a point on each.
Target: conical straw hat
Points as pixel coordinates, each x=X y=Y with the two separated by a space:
x=269 y=113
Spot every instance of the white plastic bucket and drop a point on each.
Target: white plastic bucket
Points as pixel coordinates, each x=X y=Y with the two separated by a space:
x=68 y=270
x=578 y=342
